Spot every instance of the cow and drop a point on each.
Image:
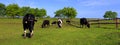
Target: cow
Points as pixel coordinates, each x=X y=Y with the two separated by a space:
x=68 y=21
x=83 y=21
x=45 y=23
x=59 y=23
x=28 y=23
x=54 y=22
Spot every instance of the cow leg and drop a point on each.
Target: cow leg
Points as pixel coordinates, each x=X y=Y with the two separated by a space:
x=81 y=26
x=43 y=25
x=60 y=25
x=31 y=33
x=24 y=33
x=85 y=26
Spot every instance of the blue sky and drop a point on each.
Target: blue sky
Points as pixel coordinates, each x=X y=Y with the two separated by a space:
x=85 y=8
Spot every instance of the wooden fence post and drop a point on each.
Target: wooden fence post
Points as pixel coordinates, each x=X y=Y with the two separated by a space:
x=116 y=21
x=98 y=23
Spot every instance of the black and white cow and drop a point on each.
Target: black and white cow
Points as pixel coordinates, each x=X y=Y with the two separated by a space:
x=83 y=21
x=28 y=23
x=59 y=23
x=45 y=23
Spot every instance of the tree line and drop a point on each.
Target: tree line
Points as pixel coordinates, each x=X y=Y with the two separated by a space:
x=110 y=14
x=13 y=10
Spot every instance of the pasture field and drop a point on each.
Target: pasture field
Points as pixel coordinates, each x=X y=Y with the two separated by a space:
x=11 y=31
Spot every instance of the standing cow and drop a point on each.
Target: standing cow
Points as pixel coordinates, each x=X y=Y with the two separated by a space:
x=28 y=23
x=83 y=21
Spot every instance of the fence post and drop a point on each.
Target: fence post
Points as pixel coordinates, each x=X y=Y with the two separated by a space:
x=98 y=23
x=116 y=21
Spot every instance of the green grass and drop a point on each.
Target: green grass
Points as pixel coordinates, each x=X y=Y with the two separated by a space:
x=11 y=34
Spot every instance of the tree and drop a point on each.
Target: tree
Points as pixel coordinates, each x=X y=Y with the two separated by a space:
x=110 y=14
x=23 y=11
x=47 y=16
x=59 y=14
x=41 y=12
x=68 y=12
x=2 y=9
x=12 y=10
x=37 y=12
x=31 y=11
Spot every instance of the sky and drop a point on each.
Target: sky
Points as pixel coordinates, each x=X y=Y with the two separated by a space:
x=84 y=8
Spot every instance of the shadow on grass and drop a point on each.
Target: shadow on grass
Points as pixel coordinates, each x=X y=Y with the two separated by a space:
x=27 y=35
x=108 y=28
x=118 y=43
x=74 y=25
x=108 y=37
x=118 y=28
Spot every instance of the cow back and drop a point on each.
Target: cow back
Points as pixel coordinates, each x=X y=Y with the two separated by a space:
x=83 y=21
x=28 y=21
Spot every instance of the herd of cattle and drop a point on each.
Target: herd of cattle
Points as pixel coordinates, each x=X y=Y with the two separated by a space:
x=29 y=21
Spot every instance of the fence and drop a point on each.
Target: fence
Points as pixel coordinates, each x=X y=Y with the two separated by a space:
x=98 y=21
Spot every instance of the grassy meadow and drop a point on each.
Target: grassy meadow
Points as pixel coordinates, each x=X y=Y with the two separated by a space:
x=11 y=31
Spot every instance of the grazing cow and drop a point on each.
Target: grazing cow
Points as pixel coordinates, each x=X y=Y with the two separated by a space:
x=28 y=23
x=45 y=23
x=83 y=21
x=59 y=23
x=68 y=21
x=54 y=22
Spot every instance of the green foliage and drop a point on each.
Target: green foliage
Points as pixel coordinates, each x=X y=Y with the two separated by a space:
x=110 y=14
x=32 y=11
x=12 y=10
x=23 y=11
x=41 y=12
x=68 y=12
x=47 y=16
x=2 y=9
x=35 y=11
x=59 y=14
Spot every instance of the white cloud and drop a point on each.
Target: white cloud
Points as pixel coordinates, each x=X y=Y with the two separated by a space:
x=94 y=3
x=99 y=2
x=21 y=3
x=62 y=0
